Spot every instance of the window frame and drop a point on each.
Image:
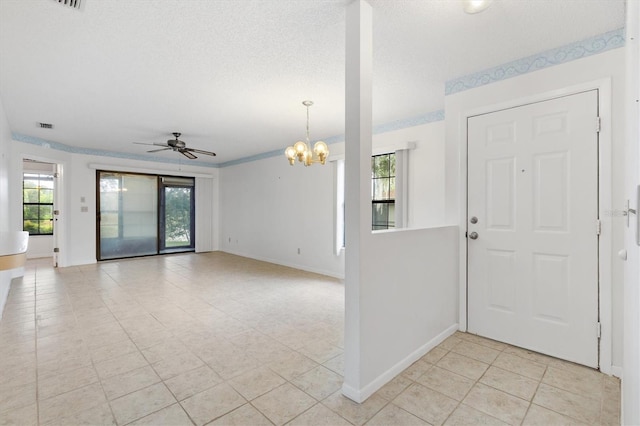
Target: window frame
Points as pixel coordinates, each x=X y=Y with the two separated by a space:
x=162 y=181
x=39 y=176
x=390 y=199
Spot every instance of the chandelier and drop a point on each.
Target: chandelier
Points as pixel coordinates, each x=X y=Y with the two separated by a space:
x=302 y=150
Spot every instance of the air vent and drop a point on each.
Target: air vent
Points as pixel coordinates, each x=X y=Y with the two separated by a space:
x=71 y=3
x=45 y=125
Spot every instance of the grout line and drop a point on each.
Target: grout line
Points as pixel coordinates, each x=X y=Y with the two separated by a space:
x=35 y=334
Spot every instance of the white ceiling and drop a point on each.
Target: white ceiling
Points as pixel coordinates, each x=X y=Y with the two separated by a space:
x=231 y=74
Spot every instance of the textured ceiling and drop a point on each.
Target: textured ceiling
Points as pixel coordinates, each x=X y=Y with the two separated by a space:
x=231 y=74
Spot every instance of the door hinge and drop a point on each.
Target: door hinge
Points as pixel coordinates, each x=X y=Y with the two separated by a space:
x=599 y=329
x=598 y=124
x=598 y=227
x=56 y=249
x=56 y=175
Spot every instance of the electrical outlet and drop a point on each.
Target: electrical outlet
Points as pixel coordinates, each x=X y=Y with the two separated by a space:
x=298 y=250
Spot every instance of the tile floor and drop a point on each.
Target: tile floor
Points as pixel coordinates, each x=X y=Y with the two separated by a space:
x=222 y=340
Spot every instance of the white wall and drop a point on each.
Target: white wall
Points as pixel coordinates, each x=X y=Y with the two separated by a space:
x=408 y=301
x=269 y=210
x=426 y=171
x=609 y=64
x=5 y=221
x=40 y=246
x=5 y=164
x=78 y=231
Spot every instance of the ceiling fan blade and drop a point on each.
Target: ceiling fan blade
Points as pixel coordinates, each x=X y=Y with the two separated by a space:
x=187 y=154
x=161 y=149
x=152 y=144
x=199 y=151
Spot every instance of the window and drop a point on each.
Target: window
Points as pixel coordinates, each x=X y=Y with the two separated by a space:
x=383 y=191
x=339 y=236
x=388 y=194
x=37 y=203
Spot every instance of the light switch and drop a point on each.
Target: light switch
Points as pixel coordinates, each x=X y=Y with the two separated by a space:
x=82 y=199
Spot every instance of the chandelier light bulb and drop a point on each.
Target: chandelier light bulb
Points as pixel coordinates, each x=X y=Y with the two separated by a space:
x=320 y=147
x=300 y=147
x=290 y=153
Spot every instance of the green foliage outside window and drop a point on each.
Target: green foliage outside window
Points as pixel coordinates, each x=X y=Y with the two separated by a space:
x=383 y=191
x=177 y=216
x=37 y=199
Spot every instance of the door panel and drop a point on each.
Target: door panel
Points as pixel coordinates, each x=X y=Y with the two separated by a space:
x=551 y=192
x=128 y=215
x=533 y=270
x=551 y=287
x=500 y=193
x=501 y=273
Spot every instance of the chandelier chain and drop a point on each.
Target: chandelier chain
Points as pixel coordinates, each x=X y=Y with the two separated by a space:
x=308 y=141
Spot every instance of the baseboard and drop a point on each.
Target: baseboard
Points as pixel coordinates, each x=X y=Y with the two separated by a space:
x=361 y=395
x=287 y=264
x=351 y=393
x=17 y=272
x=616 y=371
x=5 y=285
x=38 y=255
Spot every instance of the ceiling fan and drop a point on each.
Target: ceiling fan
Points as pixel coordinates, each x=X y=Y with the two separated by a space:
x=178 y=146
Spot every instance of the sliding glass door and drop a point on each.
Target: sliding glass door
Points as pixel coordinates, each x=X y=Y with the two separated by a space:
x=177 y=224
x=141 y=215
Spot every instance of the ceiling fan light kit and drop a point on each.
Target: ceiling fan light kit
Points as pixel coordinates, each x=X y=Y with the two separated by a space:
x=302 y=150
x=475 y=6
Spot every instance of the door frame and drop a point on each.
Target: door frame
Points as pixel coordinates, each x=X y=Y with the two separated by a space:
x=604 y=203
x=59 y=203
x=162 y=215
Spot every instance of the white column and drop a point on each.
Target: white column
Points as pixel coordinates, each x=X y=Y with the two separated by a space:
x=358 y=121
x=631 y=339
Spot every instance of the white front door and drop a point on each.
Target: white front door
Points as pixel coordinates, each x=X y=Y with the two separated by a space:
x=533 y=195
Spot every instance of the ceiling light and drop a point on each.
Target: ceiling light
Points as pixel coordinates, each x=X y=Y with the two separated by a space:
x=302 y=150
x=475 y=6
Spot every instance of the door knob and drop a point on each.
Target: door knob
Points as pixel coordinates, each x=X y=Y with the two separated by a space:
x=474 y=220
x=473 y=235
